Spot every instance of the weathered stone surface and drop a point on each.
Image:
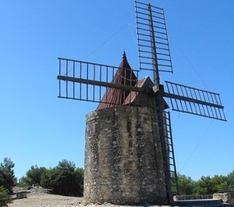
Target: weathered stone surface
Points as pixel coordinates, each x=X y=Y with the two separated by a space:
x=123 y=158
x=227 y=198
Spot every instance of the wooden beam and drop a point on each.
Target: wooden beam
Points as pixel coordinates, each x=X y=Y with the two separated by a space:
x=104 y=84
x=191 y=100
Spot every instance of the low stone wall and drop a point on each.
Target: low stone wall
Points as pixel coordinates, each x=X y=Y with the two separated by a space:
x=192 y=197
x=225 y=197
x=123 y=157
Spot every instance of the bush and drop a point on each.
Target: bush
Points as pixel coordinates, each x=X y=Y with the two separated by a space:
x=7 y=177
x=64 y=179
x=4 y=197
x=33 y=176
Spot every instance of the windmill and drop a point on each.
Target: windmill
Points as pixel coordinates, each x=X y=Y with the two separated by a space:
x=112 y=86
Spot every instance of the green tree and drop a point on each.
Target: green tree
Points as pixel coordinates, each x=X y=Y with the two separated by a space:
x=7 y=177
x=66 y=165
x=65 y=179
x=203 y=186
x=33 y=176
x=208 y=185
x=219 y=184
x=185 y=184
x=4 y=197
x=8 y=165
x=64 y=183
x=79 y=173
x=230 y=181
x=46 y=178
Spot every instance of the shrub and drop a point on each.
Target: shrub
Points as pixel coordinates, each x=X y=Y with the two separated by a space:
x=7 y=177
x=4 y=197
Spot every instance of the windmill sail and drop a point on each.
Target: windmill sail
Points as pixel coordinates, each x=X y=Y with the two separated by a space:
x=194 y=101
x=153 y=46
x=86 y=81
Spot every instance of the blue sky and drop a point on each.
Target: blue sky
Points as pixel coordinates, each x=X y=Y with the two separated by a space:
x=37 y=128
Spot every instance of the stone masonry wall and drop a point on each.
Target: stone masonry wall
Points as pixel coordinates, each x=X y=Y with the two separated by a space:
x=123 y=159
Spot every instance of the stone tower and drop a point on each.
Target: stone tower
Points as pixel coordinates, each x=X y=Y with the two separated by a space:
x=123 y=156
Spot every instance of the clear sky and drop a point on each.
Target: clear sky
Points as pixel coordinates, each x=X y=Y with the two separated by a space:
x=37 y=128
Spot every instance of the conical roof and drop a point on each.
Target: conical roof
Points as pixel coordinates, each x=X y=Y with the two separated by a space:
x=124 y=76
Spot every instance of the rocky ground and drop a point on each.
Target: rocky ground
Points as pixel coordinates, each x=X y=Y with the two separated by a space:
x=39 y=197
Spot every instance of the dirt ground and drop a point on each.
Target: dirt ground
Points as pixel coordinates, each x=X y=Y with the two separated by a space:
x=39 y=197
x=46 y=200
